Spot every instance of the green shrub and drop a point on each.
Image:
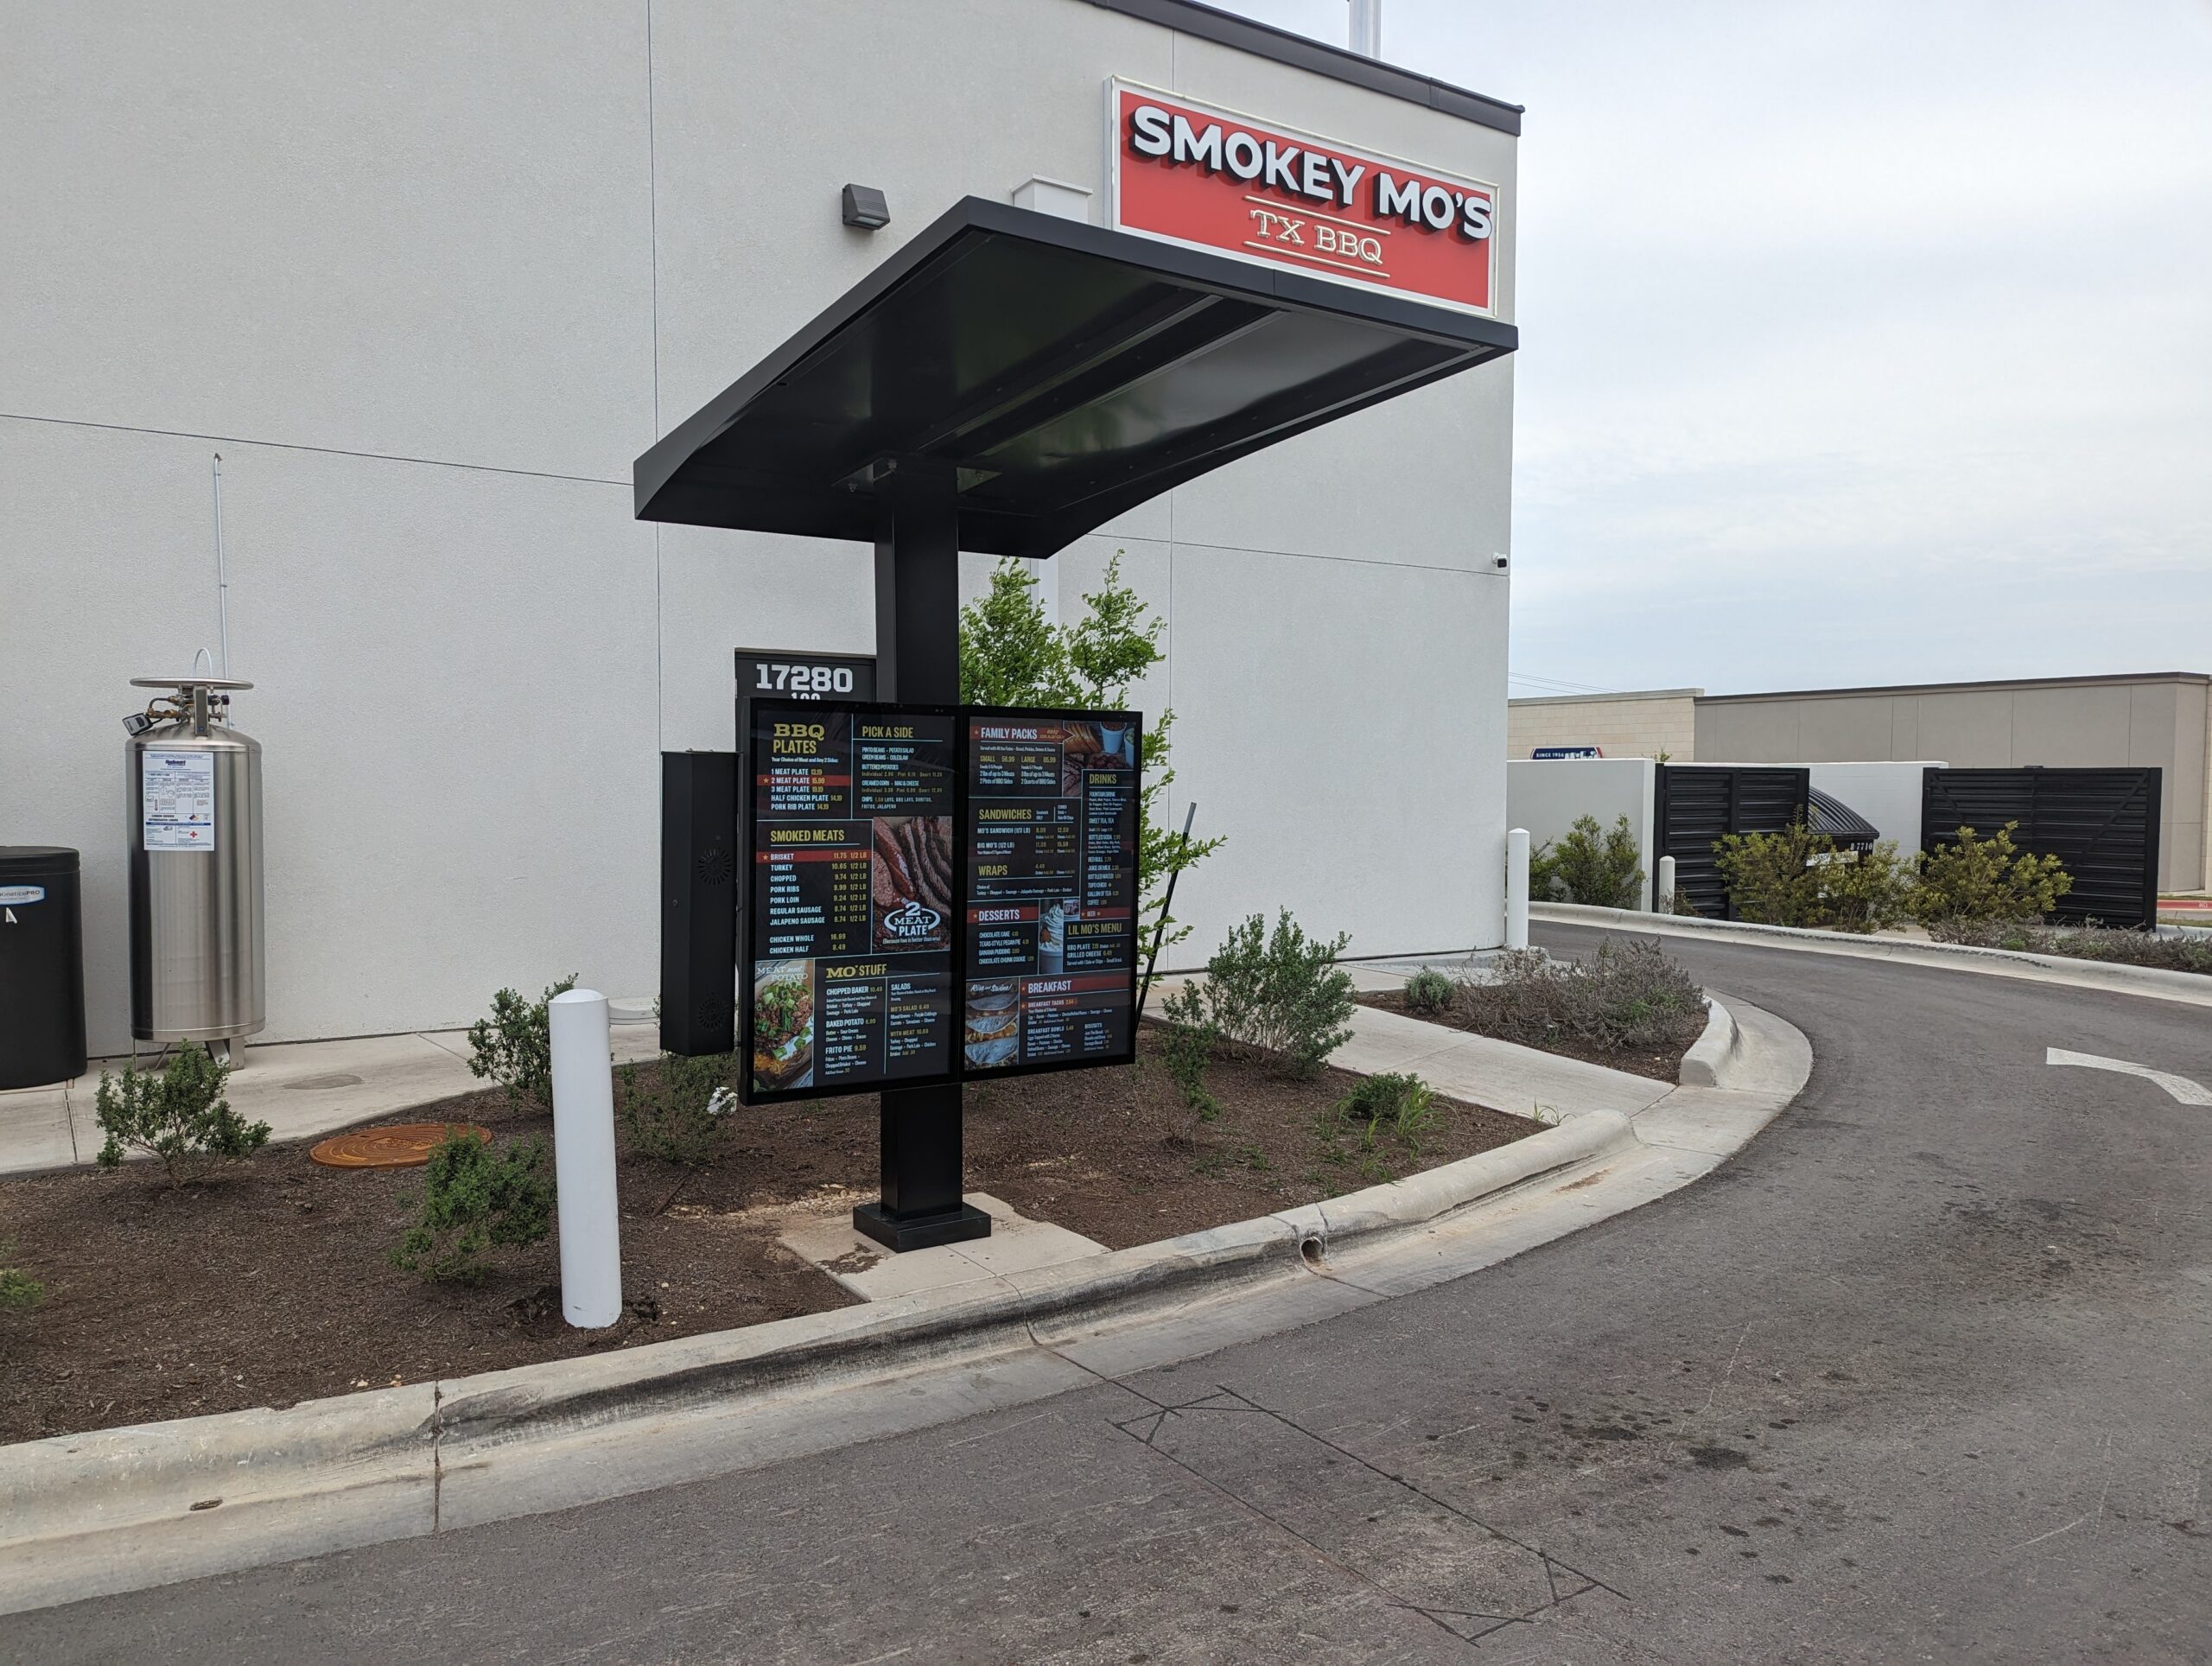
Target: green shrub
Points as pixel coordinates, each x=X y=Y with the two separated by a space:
x=1404 y=1104
x=678 y=1115
x=1279 y=995
x=1428 y=991
x=178 y=1114
x=1591 y=865
x=2112 y=945
x=1629 y=996
x=1797 y=877
x=514 y=1045
x=19 y=1291
x=474 y=1199
x=1968 y=878
x=1189 y=1046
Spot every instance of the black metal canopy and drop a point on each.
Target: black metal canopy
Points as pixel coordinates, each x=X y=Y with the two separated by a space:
x=1055 y=373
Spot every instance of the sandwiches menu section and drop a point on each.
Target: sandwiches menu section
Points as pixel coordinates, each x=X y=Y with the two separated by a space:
x=849 y=926
x=1051 y=904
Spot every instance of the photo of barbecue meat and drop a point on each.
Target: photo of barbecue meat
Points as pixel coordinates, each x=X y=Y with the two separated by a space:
x=909 y=880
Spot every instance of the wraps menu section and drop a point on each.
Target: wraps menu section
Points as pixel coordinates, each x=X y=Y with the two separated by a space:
x=849 y=923
x=1052 y=898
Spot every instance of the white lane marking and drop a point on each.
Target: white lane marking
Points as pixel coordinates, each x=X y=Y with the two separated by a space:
x=2181 y=1088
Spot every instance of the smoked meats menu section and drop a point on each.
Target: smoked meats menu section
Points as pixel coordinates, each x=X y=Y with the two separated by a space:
x=1052 y=901
x=849 y=961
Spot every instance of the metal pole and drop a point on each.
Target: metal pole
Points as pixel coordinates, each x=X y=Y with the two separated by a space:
x=222 y=580
x=583 y=1159
x=1664 y=902
x=917 y=661
x=1367 y=27
x=1144 y=989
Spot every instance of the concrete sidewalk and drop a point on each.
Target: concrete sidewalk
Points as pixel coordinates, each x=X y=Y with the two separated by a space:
x=301 y=1089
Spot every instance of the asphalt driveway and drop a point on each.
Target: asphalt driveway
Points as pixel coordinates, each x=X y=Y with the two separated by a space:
x=1920 y=1375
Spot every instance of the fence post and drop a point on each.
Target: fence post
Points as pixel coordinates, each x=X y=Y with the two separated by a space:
x=1662 y=901
x=1516 y=887
x=583 y=1159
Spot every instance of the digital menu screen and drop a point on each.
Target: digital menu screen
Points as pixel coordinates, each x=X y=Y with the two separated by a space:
x=1050 y=959
x=850 y=973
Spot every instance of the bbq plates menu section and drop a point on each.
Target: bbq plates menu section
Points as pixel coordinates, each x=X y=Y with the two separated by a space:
x=1052 y=831
x=850 y=930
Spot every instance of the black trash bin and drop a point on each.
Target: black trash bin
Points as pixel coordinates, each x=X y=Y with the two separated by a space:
x=41 y=967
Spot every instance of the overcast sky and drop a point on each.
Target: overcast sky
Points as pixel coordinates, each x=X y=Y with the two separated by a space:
x=1860 y=343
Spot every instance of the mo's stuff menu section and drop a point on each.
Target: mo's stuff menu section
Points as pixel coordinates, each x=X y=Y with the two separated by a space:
x=849 y=923
x=1051 y=899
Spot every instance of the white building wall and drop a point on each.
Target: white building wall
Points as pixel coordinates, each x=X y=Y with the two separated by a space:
x=430 y=278
x=1547 y=795
x=1886 y=794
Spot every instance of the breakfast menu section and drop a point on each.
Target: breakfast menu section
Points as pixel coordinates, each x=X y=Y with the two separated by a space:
x=1052 y=832
x=850 y=928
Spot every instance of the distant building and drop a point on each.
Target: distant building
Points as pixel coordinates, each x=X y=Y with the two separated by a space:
x=2157 y=718
x=1620 y=725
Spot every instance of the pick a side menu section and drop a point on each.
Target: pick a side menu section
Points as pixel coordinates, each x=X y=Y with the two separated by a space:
x=850 y=930
x=1052 y=890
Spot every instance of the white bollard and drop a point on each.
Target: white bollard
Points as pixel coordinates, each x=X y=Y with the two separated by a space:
x=1663 y=902
x=583 y=1161
x=1516 y=887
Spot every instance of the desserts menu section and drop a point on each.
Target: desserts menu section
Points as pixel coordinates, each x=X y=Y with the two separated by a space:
x=1052 y=831
x=849 y=929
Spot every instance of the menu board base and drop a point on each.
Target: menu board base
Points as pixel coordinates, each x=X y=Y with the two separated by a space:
x=921 y=1231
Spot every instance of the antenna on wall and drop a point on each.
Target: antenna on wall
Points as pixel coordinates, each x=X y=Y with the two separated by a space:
x=222 y=581
x=1367 y=27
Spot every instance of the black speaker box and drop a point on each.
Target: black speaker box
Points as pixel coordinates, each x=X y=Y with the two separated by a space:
x=698 y=907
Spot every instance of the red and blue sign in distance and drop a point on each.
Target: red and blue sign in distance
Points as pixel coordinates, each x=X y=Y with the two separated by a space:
x=1193 y=174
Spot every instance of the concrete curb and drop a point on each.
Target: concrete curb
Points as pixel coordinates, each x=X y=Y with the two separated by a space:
x=91 y=1515
x=1705 y=1064
x=2192 y=988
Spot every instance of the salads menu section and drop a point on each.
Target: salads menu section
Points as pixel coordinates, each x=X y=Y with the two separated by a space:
x=849 y=938
x=935 y=894
x=1052 y=899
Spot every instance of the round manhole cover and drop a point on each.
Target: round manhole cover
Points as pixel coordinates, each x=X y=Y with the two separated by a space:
x=407 y=1145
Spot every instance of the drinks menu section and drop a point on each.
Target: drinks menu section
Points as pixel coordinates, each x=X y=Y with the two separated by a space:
x=850 y=930
x=1052 y=832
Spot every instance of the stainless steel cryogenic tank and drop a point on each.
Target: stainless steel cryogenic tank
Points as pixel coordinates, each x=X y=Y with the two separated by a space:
x=194 y=792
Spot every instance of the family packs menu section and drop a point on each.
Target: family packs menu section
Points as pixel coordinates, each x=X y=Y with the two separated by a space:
x=850 y=930
x=1051 y=899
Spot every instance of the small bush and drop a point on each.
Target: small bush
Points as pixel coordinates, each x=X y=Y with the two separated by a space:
x=680 y=1115
x=514 y=1045
x=1428 y=991
x=2112 y=945
x=19 y=1291
x=1628 y=997
x=474 y=1199
x=179 y=1115
x=1278 y=993
x=1404 y=1104
x=1969 y=878
x=1589 y=865
x=1797 y=877
x=1189 y=1044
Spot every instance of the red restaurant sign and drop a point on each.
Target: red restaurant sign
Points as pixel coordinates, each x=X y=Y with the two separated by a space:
x=1192 y=174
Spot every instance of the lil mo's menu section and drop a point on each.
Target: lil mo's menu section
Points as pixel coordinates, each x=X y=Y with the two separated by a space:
x=1052 y=889
x=848 y=934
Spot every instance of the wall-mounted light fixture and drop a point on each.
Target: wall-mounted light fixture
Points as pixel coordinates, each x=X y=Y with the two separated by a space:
x=866 y=207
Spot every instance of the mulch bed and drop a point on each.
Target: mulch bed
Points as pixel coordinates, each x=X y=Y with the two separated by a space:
x=268 y=1283
x=1665 y=1065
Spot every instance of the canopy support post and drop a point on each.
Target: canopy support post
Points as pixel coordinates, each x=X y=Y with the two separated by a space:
x=917 y=661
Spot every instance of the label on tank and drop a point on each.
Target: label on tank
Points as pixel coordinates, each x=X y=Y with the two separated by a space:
x=19 y=894
x=177 y=800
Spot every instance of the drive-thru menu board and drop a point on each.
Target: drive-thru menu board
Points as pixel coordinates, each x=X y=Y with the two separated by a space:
x=913 y=868
x=851 y=976
x=1050 y=818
